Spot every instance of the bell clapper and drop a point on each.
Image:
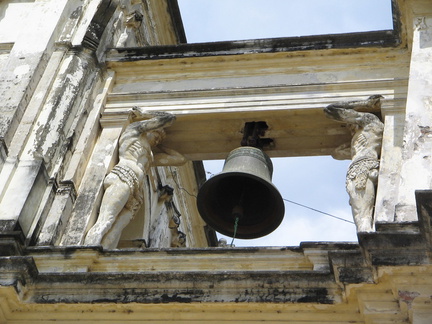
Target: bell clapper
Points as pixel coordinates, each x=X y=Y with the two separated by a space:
x=235 y=230
x=238 y=212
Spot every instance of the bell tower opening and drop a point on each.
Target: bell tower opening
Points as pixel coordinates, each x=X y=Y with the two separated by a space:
x=316 y=203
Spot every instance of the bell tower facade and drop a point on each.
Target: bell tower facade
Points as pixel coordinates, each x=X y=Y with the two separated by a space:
x=106 y=115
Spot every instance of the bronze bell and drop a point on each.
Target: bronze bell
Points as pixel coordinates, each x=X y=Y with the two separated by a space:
x=242 y=190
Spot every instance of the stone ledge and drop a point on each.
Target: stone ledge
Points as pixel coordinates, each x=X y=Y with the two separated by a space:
x=384 y=38
x=50 y=275
x=89 y=274
x=402 y=243
x=17 y=270
x=249 y=286
x=11 y=241
x=314 y=272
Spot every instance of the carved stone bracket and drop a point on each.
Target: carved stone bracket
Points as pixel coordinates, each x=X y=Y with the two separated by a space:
x=178 y=238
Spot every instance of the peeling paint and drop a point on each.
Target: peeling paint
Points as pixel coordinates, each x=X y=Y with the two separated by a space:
x=21 y=70
x=408 y=297
x=425 y=132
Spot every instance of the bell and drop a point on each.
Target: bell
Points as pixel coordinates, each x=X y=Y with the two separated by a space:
x=241 y=201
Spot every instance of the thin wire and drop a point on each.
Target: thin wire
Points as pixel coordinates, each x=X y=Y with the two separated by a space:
x=318 y=211
x=287 y=200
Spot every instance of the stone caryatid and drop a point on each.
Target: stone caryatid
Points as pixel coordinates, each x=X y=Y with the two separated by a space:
x=123 y=194
x=364 y=151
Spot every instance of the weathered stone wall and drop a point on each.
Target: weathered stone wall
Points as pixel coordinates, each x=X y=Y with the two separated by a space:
x=54 y=86
x=47 y=103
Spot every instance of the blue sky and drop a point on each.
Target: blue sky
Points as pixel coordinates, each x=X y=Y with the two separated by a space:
x=215 y=20
x=317 y=182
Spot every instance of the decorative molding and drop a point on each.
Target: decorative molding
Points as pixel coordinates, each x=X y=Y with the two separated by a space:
x=159 y=281
x=387 y=276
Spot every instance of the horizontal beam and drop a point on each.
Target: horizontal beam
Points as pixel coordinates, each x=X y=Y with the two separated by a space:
x=213 y=96
x=383 y=38
x=209 y=128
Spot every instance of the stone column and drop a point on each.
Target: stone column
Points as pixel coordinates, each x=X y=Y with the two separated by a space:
x=90 y=192
x=54 y=225
x=58 y=120
x=390 y=164
x=58 y=215
x=27 y=61
x=417 y=151
x=48 y=141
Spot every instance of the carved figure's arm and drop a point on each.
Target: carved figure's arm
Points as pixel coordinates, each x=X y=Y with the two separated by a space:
x=370 y=103
x=168 y=157
x=344 y=115
x=350 y=116
x=347 y=112
x=153 y=119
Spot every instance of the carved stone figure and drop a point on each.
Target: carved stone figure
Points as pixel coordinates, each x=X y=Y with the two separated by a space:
x=123 y=186
x=364 y=151
x=132 y=23
x=178 y=238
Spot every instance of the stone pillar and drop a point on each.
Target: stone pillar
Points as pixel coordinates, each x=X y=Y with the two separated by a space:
x=390 y=164
x=58 y=215
x=28 y=185
x=417 y=151
x=27 y=60
x=54 y=225
x=58 y=114
x=31 y=113
x=90 y=192
x=48 y=141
